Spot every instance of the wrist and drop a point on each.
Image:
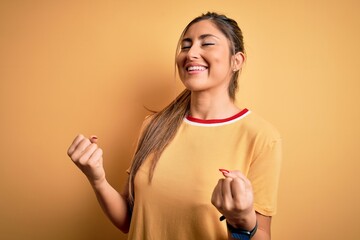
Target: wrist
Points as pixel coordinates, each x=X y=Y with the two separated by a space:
x=238 y=233
x=99 y=184
x=244 y=222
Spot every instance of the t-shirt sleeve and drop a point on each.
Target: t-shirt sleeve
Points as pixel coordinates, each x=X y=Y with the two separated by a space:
x=264 y=175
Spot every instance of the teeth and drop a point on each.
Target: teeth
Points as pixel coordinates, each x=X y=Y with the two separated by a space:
x=196 y=68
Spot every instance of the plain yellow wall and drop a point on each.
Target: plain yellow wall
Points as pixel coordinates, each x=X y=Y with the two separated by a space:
x=90 y=66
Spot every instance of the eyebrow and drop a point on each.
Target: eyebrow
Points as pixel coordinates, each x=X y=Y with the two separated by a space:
x=203 y=36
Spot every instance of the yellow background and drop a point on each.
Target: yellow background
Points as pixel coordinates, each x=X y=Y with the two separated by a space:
x=90 y=66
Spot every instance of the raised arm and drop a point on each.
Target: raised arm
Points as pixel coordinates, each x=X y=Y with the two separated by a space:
x=87 y=156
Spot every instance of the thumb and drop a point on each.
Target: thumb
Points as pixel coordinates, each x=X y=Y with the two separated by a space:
x=231 y=174
x=93 y=139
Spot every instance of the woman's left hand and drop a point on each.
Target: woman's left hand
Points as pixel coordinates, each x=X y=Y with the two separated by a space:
x=233 y=197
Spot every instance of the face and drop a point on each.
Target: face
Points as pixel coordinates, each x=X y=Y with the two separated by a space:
x=204 y=59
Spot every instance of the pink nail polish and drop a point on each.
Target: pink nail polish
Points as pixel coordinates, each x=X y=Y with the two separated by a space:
x=94 y=137
x=224 y=171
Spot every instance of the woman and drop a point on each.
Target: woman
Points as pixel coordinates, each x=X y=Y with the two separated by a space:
x=174 y=189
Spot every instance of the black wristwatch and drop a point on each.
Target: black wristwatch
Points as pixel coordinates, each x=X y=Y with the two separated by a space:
x=241 y=234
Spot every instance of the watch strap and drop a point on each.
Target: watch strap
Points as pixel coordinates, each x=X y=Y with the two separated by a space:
x=241 y=234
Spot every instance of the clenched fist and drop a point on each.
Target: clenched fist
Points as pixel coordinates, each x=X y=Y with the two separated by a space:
x=233 y=197
x=86 y=154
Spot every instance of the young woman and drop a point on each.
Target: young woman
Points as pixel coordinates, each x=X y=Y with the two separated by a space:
x=175 y=189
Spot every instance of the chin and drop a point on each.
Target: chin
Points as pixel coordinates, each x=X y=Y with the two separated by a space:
x=196 y=89
x=195 y=85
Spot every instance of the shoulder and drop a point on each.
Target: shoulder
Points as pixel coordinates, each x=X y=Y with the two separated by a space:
x=256 y=126
x=145 y=123
x=148 y=119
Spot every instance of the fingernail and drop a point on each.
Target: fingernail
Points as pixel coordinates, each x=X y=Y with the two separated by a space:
x=224 y=171
x=94 y=138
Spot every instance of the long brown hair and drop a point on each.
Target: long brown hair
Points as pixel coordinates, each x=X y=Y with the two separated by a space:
x=163 y=125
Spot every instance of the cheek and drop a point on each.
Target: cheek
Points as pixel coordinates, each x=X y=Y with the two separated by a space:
x=221 y=68
x=179 y=60
x=220 y=57
x=179 y=64
x=221 y=64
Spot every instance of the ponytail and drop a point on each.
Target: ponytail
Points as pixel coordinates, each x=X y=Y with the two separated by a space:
x=157 y=135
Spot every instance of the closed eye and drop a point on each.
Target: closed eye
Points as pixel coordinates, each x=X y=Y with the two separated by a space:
x=185 y=47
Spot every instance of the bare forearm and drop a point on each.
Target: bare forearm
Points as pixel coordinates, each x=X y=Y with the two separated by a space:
x=261 y=235
x=87 y=156
x=113 y=204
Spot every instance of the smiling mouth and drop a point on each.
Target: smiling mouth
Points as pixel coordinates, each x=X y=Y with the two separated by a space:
x=196 y=68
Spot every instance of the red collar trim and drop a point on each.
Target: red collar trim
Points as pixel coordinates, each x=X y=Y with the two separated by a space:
x=224 y=120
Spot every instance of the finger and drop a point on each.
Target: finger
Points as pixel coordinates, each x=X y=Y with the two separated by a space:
x=86 y=154
x=74 y=144
x=238 y=187
x=227 y=194
x=234 y=174
x=96 y=158
x=216 y=198
x=80 y=148
x=93 y=138
x=224 y=171
x=242 y=192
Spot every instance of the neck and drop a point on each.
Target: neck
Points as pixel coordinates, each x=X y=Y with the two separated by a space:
x=209 y=106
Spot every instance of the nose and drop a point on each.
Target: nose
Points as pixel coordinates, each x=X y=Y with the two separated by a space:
x=193 y=52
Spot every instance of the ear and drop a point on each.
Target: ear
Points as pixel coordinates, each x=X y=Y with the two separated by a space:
x=238 y=61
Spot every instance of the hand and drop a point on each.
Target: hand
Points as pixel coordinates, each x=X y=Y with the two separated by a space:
x=233 y=197
x=86 y=154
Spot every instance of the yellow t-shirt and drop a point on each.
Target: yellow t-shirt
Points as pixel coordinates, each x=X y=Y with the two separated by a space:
x=177 y=203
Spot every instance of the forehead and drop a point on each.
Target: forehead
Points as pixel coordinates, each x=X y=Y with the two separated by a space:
x=202 y=28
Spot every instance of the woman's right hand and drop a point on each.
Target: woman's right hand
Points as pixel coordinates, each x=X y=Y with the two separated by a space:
x=86 y=154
